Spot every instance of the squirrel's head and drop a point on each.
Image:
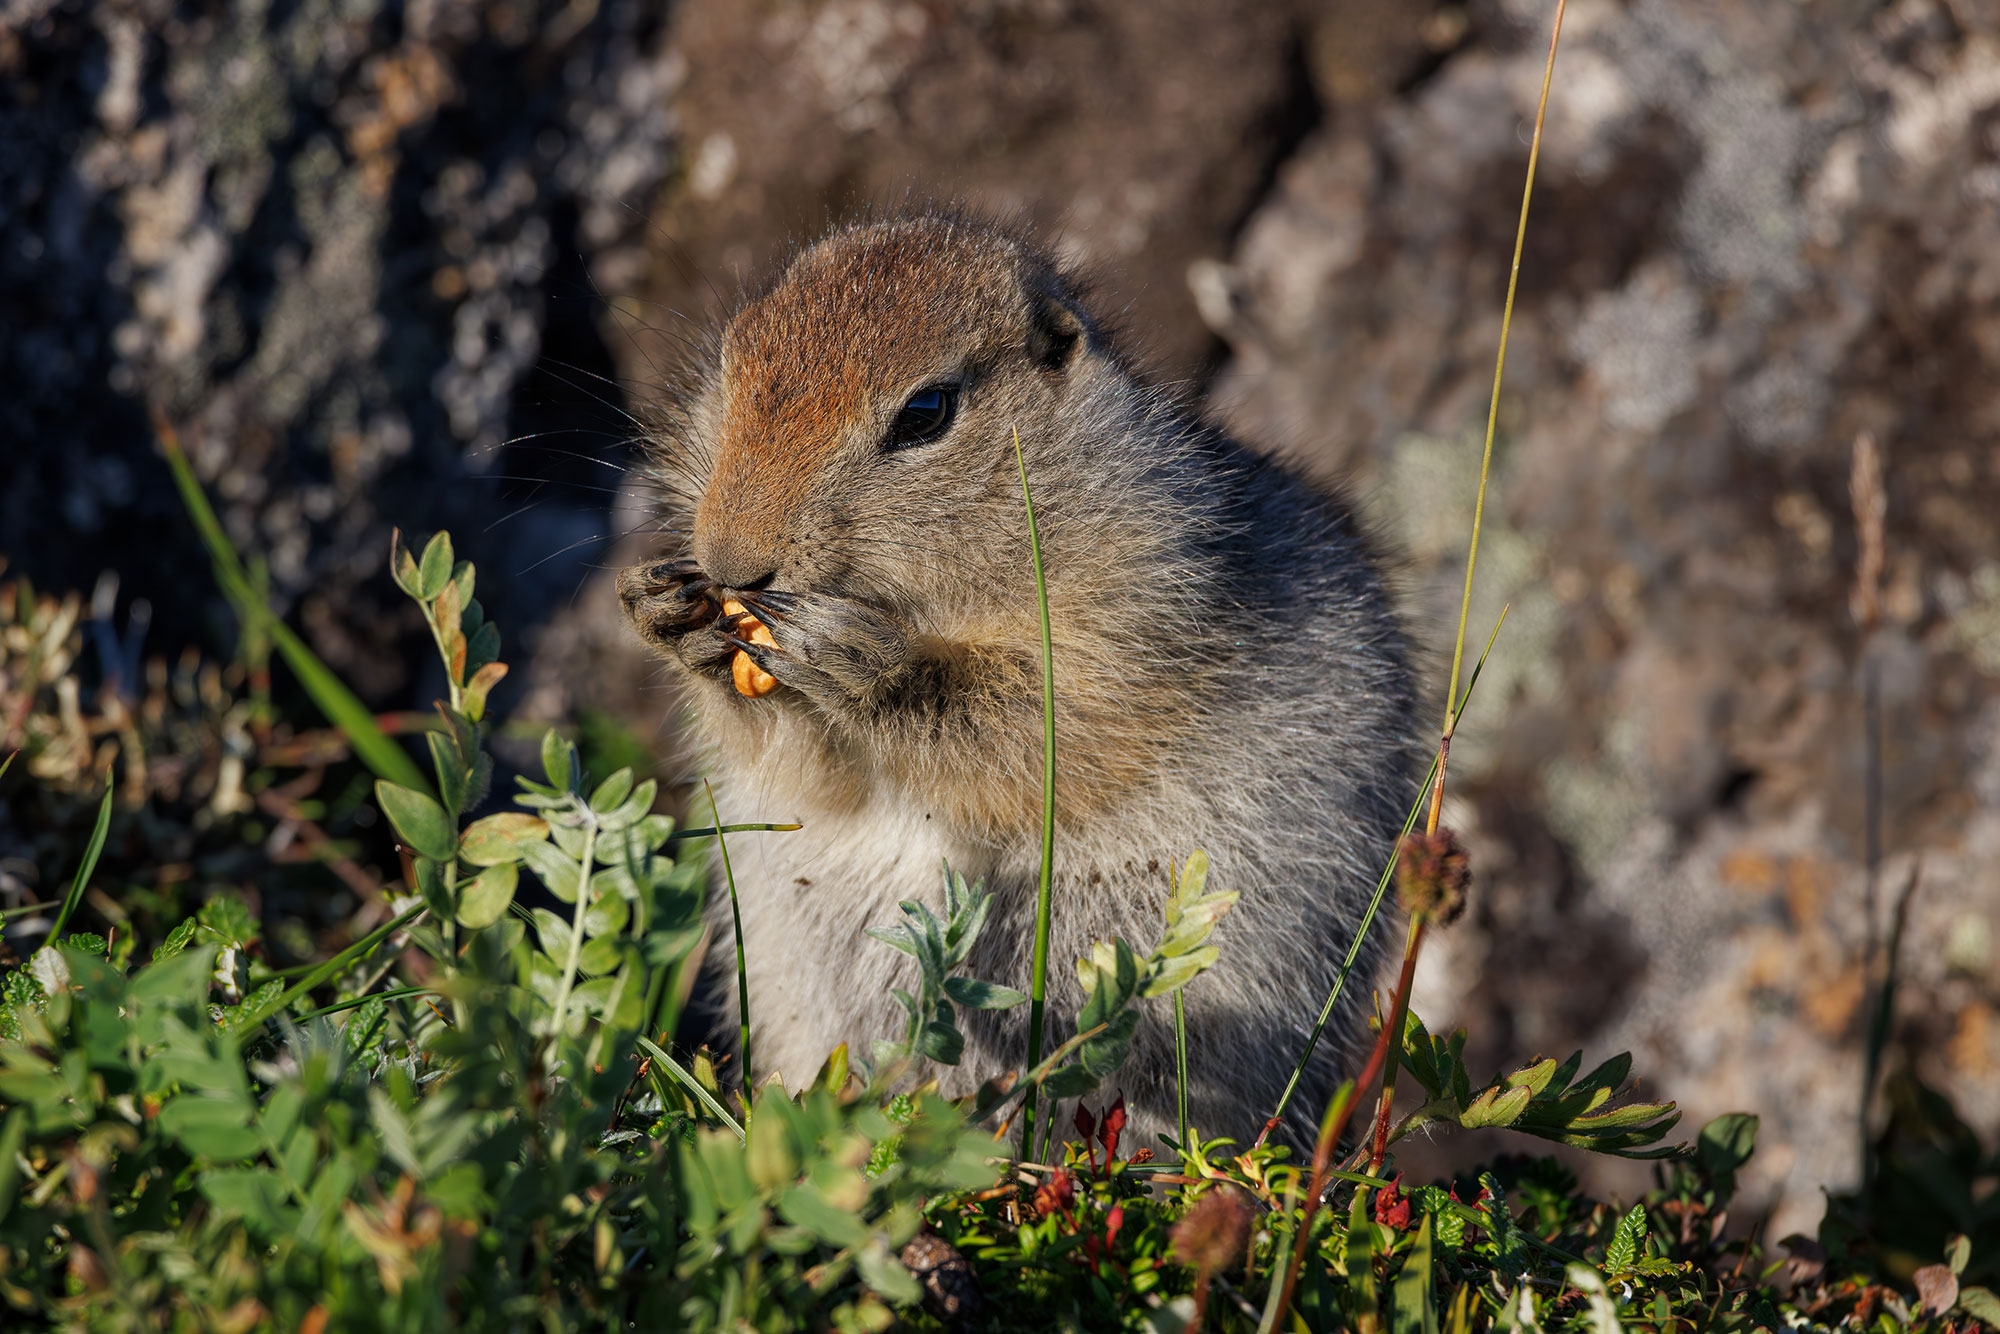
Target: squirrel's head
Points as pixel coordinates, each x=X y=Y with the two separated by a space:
x=856 y=432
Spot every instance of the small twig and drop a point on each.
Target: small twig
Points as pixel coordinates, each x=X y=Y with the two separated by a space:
x=1339 y=1111
x=1393 y=1030
x=316 y=839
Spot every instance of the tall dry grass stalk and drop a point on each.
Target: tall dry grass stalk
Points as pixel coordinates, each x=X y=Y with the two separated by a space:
x=1341 y=1108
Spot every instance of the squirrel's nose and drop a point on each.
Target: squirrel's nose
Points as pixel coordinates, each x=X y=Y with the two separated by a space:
x=734 y=562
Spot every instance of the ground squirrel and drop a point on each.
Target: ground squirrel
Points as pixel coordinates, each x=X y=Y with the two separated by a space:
x=1229 y=670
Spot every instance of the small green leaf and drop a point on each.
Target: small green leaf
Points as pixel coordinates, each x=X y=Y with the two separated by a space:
x=611 y=791
x=633 y=809
x=501 y=838
x=434 y=570
x=452 y=775
x=607 y=914
x=559 y=761
x=1724 y=1145
x=255 y=1195
x=558 y=872
x=176 y=940
x=210 y=1126
x=893 y=935
x=482 y=643
x=484 y=678
x=941 y=1042
x=402 y=565
x=833 y=1074
x=1495 y=1108
x=1981 y=1304
x=420 y=821
x=886 y=1275
x=1533 y=1078
x=803 y=1206
x=1413 y=1298
x=976 y=995
x=258 y=1005
x=1623 y=1251
x=485 y=899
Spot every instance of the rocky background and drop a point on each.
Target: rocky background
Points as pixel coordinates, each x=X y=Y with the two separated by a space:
x=414 y=265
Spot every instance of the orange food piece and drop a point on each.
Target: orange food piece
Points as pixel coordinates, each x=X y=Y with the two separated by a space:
x=752 y=681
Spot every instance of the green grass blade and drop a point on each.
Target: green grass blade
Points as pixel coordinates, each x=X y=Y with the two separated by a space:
x=690 y=1083
x=333 y=967
x=327 y=691
x=91 y=853
x=736 y=919
x=1381 y=886
x=731 y=829
x=356 y=1002
x=1181 y=1064
x=1038 y=976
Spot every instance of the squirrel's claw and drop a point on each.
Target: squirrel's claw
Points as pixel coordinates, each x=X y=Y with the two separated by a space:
x=769 y=605
x=759 y=653
x=695 y=588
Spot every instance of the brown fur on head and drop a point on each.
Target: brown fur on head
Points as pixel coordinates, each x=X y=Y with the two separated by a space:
x=814 y=372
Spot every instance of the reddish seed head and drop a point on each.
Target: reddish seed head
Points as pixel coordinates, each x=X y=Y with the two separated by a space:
x=1432 y=875
x=1392 y=1207
x=1055 y=1195
x=1215 y=1232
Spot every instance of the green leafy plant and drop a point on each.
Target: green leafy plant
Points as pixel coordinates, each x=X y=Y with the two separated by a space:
x=940 y=945
x=1116 y=981
x=373 y=1158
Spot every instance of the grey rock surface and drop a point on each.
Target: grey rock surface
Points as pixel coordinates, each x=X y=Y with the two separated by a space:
x=1760 y=232
x=347 y=250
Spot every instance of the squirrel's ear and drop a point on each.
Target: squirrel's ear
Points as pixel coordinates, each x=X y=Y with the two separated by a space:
x=1057 y=328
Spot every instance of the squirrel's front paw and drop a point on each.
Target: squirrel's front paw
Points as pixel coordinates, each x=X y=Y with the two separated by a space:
x=834 y=651
x=672 y=604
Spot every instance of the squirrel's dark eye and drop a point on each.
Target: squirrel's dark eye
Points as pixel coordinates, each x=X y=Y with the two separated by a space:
x=923 y=418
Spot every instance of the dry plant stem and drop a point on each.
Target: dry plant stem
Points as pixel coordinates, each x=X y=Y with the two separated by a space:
x=1330 y=1131
x=1437 y=787
x=1338 y=1115
x=1395 y=1032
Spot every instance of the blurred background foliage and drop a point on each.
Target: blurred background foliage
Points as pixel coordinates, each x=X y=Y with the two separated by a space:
x=423 y=265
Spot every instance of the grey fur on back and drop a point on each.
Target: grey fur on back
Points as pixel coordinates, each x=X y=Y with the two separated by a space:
x=1230 y=672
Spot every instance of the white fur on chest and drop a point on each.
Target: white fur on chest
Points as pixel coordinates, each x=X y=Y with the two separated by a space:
x=817 y=979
